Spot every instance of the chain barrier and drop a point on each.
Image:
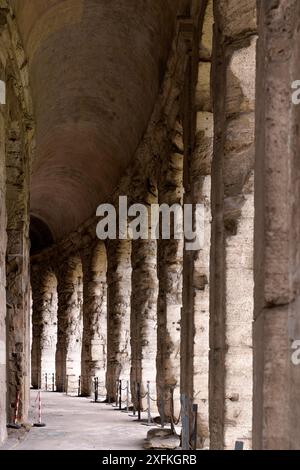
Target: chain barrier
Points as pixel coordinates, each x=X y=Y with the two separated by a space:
x=188 y=413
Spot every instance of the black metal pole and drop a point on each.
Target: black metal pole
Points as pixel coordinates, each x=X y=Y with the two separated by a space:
x=52 y=382
x=195 y=413
x=139 y=400
x=120 y=394
x=79 y=385
x=46 y=381
x=133 y=399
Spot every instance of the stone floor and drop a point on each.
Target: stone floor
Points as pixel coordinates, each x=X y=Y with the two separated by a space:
x=77 y=423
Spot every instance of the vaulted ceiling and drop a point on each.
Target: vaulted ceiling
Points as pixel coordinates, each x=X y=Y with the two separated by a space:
x=95 y=71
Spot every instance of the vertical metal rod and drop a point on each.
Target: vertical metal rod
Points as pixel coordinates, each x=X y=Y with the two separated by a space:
x=52 y=382
x=172 y=408
x=148 y=403
x=162 y=408
x=134 y=410
x=195 y=416
x=67 y=384
x=79 y=385
x=46 y=382
x=239 y=445
x=127 y=396
x=139 y=400
x=120 y=394
x=117 y=393
x=185 y=423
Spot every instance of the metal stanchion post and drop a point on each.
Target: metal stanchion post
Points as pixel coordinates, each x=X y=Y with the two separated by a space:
x=239 y=445
x=117 y=393
x=134 y=410
x=185 y=422
x=162 y=408
x=67 y=384
x=172 y=409
x=96 y=388
x=195 y=415
x=139 y=400
x=53 y=382
x=79 y=385
x=120 y=394
x=127 y=396
x=46 y=381
x=148 y=403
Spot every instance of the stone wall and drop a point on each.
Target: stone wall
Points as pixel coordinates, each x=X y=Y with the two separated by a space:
x=19 y=146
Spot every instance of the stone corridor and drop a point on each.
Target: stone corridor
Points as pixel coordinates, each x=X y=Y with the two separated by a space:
x=178 y=114
x=78 y=424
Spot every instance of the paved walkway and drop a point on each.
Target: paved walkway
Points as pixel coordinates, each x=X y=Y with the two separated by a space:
x=77 y=423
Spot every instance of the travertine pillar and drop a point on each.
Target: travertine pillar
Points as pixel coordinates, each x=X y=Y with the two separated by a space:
x=231 y=309
x=2 y=278
x=69 y=331
x=118 y=315
x=169 y=262
x=17 y=268
x=195 y=313
x=44 y=327
x=94 y=339
x=143 y=314
x=277 y=234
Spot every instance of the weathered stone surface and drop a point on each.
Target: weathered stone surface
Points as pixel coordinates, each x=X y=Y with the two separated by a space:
x=231 y=293
x=276 y=326
x=195 y=313
x=44 y=327
x=161 y=439
x=2 y=280
x=169 y=255
x=69 y=326
x=94 y=335
x=118 y=324
x=170 y=317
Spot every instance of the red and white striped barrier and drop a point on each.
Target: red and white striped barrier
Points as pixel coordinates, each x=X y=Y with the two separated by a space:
x=39 y=424
x=15 y=424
